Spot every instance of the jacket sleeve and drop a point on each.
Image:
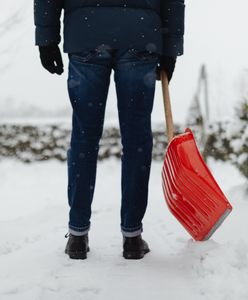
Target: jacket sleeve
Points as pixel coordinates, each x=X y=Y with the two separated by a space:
x=172 y=13
x=47 y=21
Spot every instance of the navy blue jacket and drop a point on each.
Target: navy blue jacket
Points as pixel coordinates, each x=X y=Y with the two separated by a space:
x=155 y=25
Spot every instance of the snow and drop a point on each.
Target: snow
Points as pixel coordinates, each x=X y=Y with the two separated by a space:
x=34 y=210
x=33 y=219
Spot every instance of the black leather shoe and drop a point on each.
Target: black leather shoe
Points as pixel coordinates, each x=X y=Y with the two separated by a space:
x=134 y=247
x=77 y=246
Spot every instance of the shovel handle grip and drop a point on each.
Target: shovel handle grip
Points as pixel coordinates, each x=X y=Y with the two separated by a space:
x=167 y=106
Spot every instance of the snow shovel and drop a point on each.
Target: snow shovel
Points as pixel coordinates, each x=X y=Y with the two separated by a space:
x=191 y=192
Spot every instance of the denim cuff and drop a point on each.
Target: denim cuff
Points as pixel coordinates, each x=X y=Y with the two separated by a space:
x=78 y=231
x=131 y=232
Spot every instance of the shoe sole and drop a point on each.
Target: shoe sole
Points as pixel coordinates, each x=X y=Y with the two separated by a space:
x=77 y=255
x=134 y=254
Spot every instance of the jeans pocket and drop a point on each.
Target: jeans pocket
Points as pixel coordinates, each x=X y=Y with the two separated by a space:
x=83 y=56
x=143 y=54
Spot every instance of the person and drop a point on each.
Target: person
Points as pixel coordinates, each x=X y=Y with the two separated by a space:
x=137 y=39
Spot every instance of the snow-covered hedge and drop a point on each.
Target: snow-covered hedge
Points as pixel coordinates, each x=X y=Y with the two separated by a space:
x=30 y=142
x=42 y=142
x=227 y=141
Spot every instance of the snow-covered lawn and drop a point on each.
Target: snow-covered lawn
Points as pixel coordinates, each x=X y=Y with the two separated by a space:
x=33 y=221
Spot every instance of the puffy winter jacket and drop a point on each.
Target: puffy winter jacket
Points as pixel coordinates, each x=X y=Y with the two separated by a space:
x=155 y=25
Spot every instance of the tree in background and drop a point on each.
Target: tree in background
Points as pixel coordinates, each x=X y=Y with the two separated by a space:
x=198 y=114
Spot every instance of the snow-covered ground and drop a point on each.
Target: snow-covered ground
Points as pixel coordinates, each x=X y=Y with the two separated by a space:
x=34 y=210
x=33 y=221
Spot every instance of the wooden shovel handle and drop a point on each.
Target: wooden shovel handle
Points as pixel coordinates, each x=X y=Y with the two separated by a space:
x=167 y=105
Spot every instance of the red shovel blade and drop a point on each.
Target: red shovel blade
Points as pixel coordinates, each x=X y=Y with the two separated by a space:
x=190 y=190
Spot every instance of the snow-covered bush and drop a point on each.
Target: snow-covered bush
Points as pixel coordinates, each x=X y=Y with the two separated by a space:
x=240 y=140
x=229 y=140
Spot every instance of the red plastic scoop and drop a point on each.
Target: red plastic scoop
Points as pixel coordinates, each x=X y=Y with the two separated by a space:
x=191 y=192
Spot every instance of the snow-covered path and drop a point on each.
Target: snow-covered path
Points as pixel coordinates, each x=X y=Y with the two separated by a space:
x=33 y=221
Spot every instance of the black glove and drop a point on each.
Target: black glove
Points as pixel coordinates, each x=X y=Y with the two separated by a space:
x=167 y=63
x=51 y=58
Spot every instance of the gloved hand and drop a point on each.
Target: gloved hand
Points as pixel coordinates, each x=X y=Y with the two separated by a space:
x=167 y=63
x=51 y=58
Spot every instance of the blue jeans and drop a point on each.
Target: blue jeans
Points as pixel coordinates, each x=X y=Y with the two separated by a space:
x=88 y=84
